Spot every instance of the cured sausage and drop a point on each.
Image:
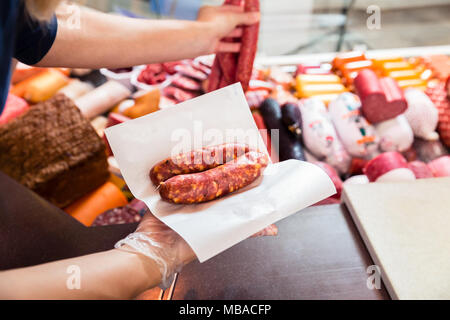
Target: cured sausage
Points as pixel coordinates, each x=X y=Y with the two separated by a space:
x=214 y=77
x=395 y=134
x=248 y=49
x=381 y=99
x=292 y=118
x=196 y=161
x=228 y=60
x=288 y=146
x=214 y=183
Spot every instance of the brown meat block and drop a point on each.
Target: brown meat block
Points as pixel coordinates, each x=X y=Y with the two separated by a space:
x=53 y=150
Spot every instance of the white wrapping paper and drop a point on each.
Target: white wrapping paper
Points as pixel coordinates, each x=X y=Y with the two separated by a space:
x=214 y=226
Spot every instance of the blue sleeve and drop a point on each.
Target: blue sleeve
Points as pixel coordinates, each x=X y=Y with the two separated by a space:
x=33 y=38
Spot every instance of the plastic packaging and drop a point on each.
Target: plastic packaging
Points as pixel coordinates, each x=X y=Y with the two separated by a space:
x=422 y=114
x=395 y=134
x=357 y=135
x=320 y=137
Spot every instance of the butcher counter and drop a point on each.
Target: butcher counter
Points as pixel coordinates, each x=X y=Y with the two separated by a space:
x=318 y=253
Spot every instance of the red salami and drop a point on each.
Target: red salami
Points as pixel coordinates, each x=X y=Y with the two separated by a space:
x=214 y=183
x=248 y=47
x=215 y=76
x=381 y=99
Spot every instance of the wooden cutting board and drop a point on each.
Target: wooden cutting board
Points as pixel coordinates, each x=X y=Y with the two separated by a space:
x=406 y=228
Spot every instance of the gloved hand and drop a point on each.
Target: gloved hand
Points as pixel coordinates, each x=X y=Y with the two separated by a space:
x=157 y=241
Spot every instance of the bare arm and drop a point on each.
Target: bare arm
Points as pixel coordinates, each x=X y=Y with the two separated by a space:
x=104 y=40
x=112 y=274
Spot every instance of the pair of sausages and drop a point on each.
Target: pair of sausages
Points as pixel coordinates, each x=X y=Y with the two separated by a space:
x=231 y=67
x=206 y=174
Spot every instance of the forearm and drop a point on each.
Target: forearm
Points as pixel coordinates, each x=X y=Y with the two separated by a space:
x=113 y=274
x=104 y=40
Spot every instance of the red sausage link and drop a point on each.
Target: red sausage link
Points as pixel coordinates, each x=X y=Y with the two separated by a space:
x=214 y=77
x=214 y=183
x=196 y=161
x=228 y=60
x=248 y=47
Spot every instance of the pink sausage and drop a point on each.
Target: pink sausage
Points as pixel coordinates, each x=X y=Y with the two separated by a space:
x=420 y=169
x=384 y=163
x=440 y=166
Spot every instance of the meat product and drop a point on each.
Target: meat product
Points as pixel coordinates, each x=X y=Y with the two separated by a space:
x=333 y=176
x=381 y=99
x=152 y=74
x=388 y=167
x=14 y=107
x=395 y=134
x=54 y=151
x=357 y=166
x=248 y=49
x=196 y=161
x=76 y=88
x=88 y=207
x=190 y=72
x=292 y=118
x=319 y=135
x=255 y=98
x=285 y=143
x=178 y=94
x=429 y=150
x=101 y=99
x=215 y=76
x=358 y=179
x=420 y=169
x=436 y=92
x=357 y=135
x=271 y=230
x=45 y=85
x=186 y=83
x=214 y=183
x=342 y=58
x=259 y=121
x=422 y=114
x=440 y=166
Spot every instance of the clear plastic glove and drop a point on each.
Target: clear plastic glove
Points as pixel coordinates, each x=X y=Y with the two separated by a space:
x=164 y=246
x=170 y=252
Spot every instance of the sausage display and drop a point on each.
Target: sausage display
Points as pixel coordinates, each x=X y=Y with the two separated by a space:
x=196 y=161
x=357 y=135
x=422 y=114
x=381 y=99
x=214 y=183
x=287 y=145
x=388 y=167
x=292 y=118
x=248 y=48
x=440 y=167
x=395 y=134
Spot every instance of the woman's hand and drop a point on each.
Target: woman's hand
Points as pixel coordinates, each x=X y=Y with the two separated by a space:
x=222 y=22
x=164 y=246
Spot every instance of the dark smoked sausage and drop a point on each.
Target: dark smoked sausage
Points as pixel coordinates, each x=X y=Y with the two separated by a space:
x=214 y=183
